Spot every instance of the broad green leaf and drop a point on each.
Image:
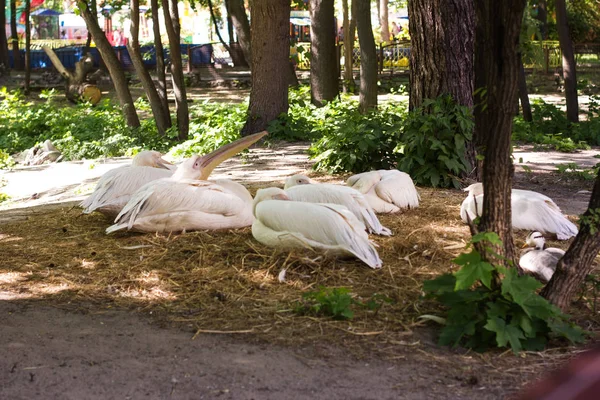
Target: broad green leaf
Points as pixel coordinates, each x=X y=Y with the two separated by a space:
x=441 y=284
x=567 y=330
x=471 y=273
x=468 y=258
x=491 y=237
x=505 y=333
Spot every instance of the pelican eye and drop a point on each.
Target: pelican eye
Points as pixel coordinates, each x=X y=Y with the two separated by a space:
x=538 y=237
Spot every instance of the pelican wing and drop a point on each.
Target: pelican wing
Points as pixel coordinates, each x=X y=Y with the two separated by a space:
x=540 y=263
x=116 y=186
x=398 y=188
x=538 y=215
x=342 y=195
x=319 y=226
x=167 y=205
x=364 y=182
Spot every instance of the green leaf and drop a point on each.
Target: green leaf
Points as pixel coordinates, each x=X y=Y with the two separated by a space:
x=490 y=237
x=470 y=273
x=441 y=284
x=467 y=258
x=567 y=330
x=505 y=333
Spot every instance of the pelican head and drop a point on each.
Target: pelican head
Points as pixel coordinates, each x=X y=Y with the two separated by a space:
x=150 y=158
x=535 y=239
x=475 y=189
x=200 y=167
x=271 y=193
x=296 y=180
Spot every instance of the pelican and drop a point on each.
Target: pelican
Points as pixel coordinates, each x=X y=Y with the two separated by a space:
x=302 y=188
x=386 y=191
x=530 y=211
x=281 y=222
x=187 y=201
x=538 y=259
x=114 y=189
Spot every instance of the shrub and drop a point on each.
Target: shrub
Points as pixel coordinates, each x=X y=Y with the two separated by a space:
x=434 y=141
x=490 y=305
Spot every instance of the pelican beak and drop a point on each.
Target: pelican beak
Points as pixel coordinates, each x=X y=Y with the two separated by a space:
x=162 y=163
x=210 y=161
x=524 y=245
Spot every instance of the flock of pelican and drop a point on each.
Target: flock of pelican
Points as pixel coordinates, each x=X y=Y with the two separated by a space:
x=153 y=195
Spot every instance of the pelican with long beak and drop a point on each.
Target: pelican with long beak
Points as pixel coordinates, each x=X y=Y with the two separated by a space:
x=188 y=201
x=330 y=228
x=114 y=189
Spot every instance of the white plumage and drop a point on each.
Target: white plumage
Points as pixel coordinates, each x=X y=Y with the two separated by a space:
x=331 y=228
x=540 y=260
x=530 y=211
x=114 y=189
x=386 y=191
x=302 y=188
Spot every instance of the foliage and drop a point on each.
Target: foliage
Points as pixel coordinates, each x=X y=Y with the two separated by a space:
x=434 y=141
x=336 y=303
x=4 y=197
x=6 y=161
x=573 y=170
x=300 y=119
x=79 y=131
x=353 y=142
x=490 y=305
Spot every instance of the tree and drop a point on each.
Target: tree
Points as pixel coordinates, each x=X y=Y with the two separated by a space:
x=368 y=55
x=171 y=15
x=577 y=262
x=239 y=18
x=568 y=61
x=542 y=16
x=270 y=63
x=442 y=43
x=27 y=11
x=323 y=62
x=89 y=15
x=4 y=61
x=14 y=37
x=498 y=28
x=235 y=56
x=161 y=83
x=384 y=20
x=349 y=31
x=163 y=121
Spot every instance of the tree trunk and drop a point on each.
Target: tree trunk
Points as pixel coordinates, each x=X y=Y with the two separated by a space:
x=270 y=60
x=577 y=262
x=217 y=31
x=27 y=46
x=323 y=56
x=523 y=94
x=368 y=56
x=230 y=29
x=171 y=15
x=112 y=64
x=161 y=84
x=441 y=57
x=499 y=28
x=568 y=61
x=4 y=60
x=384 y=20
x=349 y=84
x=135 y=53
x=542 y=16
x=14 y=37
x=236 y=9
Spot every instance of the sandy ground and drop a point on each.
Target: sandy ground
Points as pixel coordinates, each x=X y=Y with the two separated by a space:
x=74 y=353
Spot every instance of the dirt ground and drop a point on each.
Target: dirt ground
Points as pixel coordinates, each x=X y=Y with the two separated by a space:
x=69 y=348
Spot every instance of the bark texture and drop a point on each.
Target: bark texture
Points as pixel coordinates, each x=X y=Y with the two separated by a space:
x=384 y=21
x=237 y=11
x=442 y=42
x=112 y=64
x=498 y=37
x=14 y=37
x=368 y=56
x=523 y=94
x=577 y=262
x=27 y=11
x=4 y=62
x=568 y=61
x=323 y=56
x=171 y=15
x=161 y=81
x=270 y=63
x=133 y=46
x=349 y=31
x=542 y=16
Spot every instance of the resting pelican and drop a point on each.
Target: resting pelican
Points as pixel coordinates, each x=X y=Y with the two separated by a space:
x=302 y=188
x=281 y=222
x=386 y=191
x=539 y=259
x=114 y=189
x=530 y=211
x=187 y=201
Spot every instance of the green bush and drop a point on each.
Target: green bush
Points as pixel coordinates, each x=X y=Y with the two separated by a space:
x=434 y=141
x=490 y=305
x=6 y=161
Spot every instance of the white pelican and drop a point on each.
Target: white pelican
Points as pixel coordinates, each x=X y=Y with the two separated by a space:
x=328 y=227
x=114 y=189
x=187 y=201
x=302 y=188
x=539 y=259
x=530 y=211
x=386 y=191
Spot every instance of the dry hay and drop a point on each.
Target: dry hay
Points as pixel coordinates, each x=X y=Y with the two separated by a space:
x=227 y=282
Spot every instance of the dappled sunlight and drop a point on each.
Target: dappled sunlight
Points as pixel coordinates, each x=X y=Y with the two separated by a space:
x=12 y=277
x=9 y=238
